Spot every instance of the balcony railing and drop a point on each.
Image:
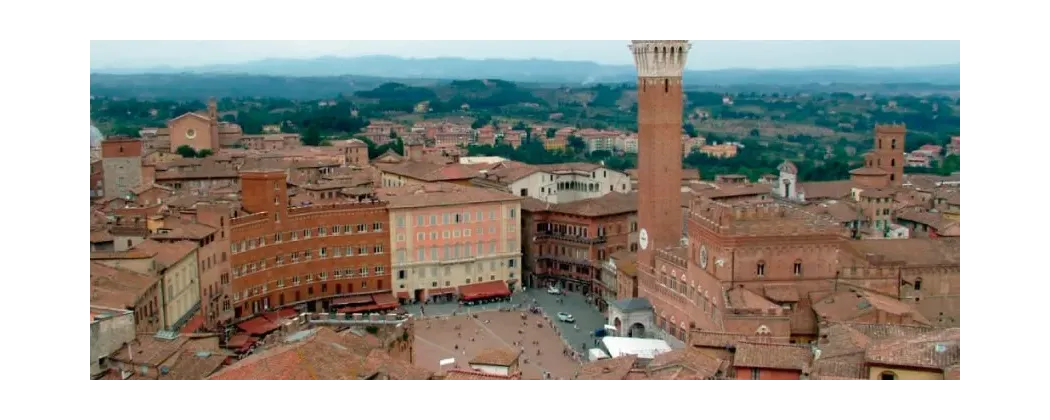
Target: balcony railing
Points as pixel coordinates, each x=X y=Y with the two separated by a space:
x=569 y=260
x=570 y=238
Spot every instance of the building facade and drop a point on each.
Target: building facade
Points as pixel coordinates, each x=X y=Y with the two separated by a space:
x=304 y=257
x=446 y=236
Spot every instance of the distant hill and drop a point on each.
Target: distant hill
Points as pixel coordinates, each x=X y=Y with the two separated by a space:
x=550 y=71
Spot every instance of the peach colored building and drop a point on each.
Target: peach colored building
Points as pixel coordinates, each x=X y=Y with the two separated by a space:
x=446 y=237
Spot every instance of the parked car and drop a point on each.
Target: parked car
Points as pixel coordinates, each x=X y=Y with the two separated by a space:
x=553 y=290
x=565 y=317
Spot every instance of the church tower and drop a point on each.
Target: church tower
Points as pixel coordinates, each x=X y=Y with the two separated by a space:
x=660 y=65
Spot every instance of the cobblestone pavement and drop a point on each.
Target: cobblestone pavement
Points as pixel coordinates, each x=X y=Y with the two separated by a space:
x=438 y=338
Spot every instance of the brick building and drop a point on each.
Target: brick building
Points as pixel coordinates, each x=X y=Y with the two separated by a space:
x=570 y=241
x=887 y=152
x=314 y=257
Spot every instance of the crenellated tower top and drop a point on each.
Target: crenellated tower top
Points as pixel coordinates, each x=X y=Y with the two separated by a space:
x=660 y=58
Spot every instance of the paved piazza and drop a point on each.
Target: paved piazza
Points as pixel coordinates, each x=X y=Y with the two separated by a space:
x=439 y=335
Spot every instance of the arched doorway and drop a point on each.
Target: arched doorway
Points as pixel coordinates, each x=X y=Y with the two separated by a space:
x=637 y=330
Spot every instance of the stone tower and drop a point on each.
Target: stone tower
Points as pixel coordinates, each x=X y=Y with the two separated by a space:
x=121 y=165
x=213 y=124
x=888 y=150
x=660 y=65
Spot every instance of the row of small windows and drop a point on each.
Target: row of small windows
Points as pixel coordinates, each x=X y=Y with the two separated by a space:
x=306 y=234
x=364 y=271
x=454 y=218
x=307 y=255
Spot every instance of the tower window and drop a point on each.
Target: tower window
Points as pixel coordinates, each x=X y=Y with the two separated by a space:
x=667 y=86
x=918 y=285
x=893 y=144
x=798 y=268
x=893 y=162
x=761 y=269
x=880 y=143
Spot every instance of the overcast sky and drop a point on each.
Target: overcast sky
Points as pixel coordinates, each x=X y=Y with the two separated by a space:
x=704 y=55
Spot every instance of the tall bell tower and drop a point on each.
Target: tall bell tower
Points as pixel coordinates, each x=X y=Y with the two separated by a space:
x=660 y=65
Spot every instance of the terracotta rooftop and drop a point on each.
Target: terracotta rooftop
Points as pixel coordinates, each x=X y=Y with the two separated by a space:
x=937 y=349
x=117 y=287
x=909 y=252
x=607 y=369
x=430 y=172
x=608 y=204
x=868 y=171
x=741 y=298
x=826 y=189
x=175 y=228
x=318 y=354
x=772 y=356
x=167 y=254
x=848 y=305
x=935 y=220
x=195 y=364
x=496 y=356
x=839 y=210
x=440 y=194
x=131 y=254
x=695 y=361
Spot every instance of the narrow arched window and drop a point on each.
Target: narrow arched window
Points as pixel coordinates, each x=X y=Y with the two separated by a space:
x=798 y=267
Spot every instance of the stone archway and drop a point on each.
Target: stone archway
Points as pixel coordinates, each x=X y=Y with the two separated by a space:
x=637 y=330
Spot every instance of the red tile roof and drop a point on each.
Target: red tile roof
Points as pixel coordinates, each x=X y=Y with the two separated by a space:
x=496 y=356
x=257 y=326
x=939 y=349
x=322 y=355
x=772 y=356
x=615 y=368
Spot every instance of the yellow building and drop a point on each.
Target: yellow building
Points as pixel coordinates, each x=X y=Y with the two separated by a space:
x=176 y=263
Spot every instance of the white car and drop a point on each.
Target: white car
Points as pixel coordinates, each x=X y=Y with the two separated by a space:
x=553 y=290
x=565 y=317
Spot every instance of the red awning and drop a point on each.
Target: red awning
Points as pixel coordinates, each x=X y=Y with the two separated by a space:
x=402 y=295
x=385 y=301
x=195 y=323
x=352 y=300
x=441 y=291
x=257 y=326
x=484 y=290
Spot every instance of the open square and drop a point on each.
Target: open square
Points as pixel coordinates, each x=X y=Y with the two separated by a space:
x=463 y=336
